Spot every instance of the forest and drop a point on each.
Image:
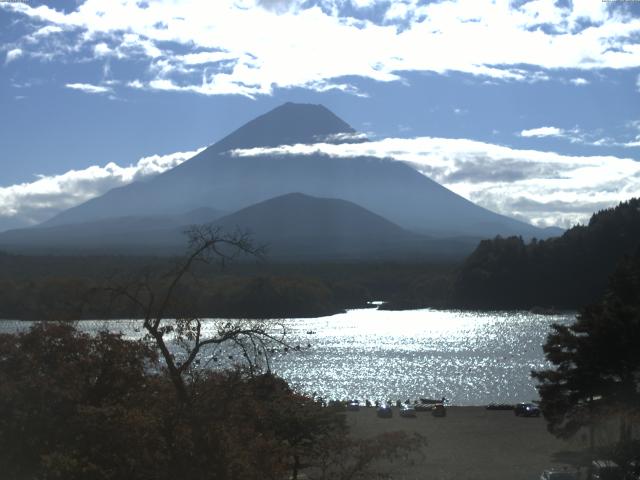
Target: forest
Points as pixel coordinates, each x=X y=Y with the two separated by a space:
x=559 y=273
x=65 y=287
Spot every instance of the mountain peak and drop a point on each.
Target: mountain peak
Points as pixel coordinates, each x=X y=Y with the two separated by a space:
x=290 y=123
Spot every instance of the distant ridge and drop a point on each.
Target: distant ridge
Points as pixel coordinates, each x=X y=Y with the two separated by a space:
x=128 y=234
x=293 y=226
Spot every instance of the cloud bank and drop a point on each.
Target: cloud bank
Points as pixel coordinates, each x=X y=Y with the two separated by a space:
x=248 y=47
x=543 y=188
x=30 y=203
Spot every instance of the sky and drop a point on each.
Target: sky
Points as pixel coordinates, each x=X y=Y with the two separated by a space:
x=528 y=108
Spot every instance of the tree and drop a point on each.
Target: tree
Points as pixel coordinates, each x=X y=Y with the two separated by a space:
x=596 y=374
x=155 y=299
x=82 y=407
x=76 y=406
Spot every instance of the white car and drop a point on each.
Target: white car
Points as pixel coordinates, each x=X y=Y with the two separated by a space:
x=353 y=406
x=564 y=474
x=407 y=411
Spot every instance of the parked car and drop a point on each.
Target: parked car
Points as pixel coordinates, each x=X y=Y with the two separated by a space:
x=605 y=470
x=423 y=407
x=555 y=474
x=407 y=411
x=526 y=410
x=633 y=471
x=384 y=411
x=353 y=406
x=439 y=410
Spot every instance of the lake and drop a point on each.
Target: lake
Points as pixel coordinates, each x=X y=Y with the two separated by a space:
x=469 y=357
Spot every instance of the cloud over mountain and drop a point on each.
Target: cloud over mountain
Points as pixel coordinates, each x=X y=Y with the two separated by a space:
x=544 y=188
x=29 y=203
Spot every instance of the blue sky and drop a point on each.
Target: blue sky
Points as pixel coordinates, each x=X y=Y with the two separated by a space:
x=530 y=108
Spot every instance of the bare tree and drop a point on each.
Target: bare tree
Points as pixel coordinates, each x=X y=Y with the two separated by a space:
x=155 y=299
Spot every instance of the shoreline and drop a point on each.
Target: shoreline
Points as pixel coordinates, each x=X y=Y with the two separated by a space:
x=372 y=307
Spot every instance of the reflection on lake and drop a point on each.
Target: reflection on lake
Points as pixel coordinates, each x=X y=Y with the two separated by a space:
x=471 y=358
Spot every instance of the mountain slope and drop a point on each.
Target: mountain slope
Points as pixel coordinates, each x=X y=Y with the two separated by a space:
x=292 y=227
x=132 y=234
x=216 y=177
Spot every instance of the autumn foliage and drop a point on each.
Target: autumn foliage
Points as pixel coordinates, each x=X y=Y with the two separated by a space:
x=80 y=406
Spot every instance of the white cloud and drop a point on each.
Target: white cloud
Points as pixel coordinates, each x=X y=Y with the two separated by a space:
x=363 y=3
x=205 y=57
x=542 y=132
x=102 y=49
x=579 y=81
x=592 y=138
x=12 y=55
x=291 y=44
x=135 y=84
x=33 y=202
x=397 y=11
x=88 y=88
x=544 y=188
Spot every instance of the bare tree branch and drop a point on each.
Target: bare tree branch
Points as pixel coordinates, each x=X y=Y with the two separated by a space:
x=154 y=299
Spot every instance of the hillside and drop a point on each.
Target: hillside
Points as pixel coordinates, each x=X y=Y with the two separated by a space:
x=297 y=225
x=291 y=227
x=152 y=234
x=565 y=272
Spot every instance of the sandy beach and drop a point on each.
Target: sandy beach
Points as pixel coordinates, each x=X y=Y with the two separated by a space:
x=471 y=443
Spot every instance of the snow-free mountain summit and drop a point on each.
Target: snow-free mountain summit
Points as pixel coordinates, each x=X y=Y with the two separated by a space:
x=219 y=179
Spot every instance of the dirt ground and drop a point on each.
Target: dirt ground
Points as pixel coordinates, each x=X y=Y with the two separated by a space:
x=472 y=443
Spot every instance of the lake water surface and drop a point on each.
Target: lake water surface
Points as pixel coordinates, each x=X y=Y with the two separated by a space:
x=471 y=358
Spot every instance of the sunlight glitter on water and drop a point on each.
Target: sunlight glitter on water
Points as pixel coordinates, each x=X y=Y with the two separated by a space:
x=471 y=358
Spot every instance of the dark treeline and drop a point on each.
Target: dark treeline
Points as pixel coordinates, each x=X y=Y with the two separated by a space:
x=564 y=272
x=503 y=273
x=64 y=287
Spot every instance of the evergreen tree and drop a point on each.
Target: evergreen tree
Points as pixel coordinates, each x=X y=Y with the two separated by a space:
x=596 y=361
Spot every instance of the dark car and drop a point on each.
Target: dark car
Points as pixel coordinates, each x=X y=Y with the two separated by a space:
x=526 y=410
x=439 y=410
x=384 y=411
x=605 y=470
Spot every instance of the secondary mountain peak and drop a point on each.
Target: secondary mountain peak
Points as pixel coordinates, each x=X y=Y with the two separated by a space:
x=289 y=123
